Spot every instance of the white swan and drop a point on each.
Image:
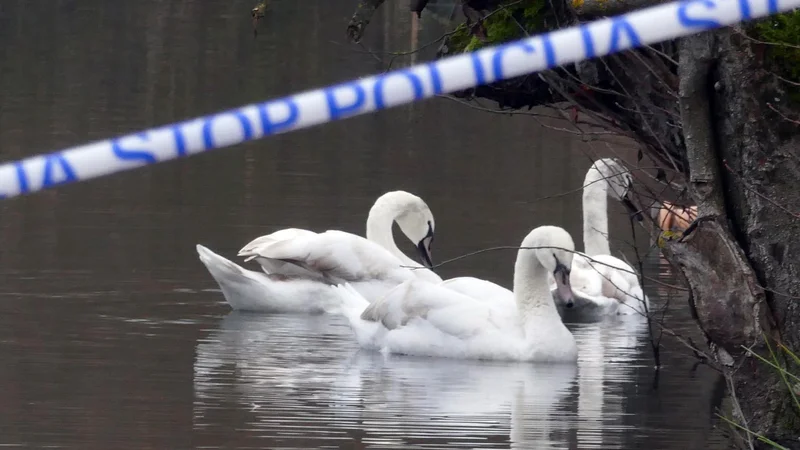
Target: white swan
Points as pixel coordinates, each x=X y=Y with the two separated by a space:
x=427 y=319
x=299 y=265
x=604 y=284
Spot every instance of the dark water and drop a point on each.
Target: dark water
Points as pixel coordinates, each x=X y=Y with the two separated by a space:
x=112 y=333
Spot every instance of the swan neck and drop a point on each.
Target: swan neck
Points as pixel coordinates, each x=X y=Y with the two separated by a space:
x=379 y=230
x=531 y=289
x=595 y=214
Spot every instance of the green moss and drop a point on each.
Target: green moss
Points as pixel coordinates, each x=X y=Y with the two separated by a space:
x=783 y=30
x=506 y=24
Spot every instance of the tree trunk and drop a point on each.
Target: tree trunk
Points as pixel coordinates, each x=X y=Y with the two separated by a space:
x=758 y=157
x=743 y=166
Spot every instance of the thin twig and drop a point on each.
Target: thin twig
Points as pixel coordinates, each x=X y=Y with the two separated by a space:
x=780 y=113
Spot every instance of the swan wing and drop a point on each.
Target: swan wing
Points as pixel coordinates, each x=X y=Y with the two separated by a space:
x=285 y=268
x=594 y=303
x=334 y=256
x=620 y=282
x=589 y=291
x=479 y=289
x=287 y=234
x=424 y=305
x=426 y=274
x=278 y=267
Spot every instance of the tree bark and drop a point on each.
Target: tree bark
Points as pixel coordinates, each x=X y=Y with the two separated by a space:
x=759 y=156
x=732 y=311
x=364 y=12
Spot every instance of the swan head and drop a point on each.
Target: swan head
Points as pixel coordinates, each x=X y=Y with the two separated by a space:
x=418 y=226
x=415 y=220
x=555 y=253
x=620 y=181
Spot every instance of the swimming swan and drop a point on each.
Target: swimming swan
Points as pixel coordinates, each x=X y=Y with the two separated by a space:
x=426 y=319
x=605 y=284
x=299 y=265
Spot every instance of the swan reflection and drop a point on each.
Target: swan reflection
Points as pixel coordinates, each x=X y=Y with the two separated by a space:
x=303 y=377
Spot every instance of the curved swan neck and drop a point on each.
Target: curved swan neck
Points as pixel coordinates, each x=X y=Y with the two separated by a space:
x=531 y=289
x=379 y=229
x=595 y=214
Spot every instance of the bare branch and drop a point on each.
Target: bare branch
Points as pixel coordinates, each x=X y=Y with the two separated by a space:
x=782 y=114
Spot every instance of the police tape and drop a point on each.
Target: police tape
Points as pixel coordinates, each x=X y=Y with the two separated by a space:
x=306 y=109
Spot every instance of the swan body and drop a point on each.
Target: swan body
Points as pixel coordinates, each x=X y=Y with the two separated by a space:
x=299 y=266
x=428 y=319
x=249 y=290
x=583 y=306
x=611 y=283
x=479 y=289
x=606 y=284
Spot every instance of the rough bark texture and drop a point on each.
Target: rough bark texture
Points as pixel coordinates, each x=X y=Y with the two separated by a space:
x=731 y=311
x=364 y=12
x=695 y=56
x=759 y=156
x=705 y=107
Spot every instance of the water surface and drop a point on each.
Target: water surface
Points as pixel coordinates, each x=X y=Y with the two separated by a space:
x=113 y=335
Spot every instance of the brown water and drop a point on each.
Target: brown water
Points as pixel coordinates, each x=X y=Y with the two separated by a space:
x=112 y=333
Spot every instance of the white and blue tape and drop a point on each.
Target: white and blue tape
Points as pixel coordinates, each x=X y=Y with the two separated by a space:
x=599 y=38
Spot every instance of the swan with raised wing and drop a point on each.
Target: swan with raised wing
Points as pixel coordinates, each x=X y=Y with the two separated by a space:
x=300 y=265
x=427 y=319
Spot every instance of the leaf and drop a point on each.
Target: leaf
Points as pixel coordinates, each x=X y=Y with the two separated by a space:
x=639 y=155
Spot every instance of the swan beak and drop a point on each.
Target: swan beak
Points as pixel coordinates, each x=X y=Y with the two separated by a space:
x=424 y=250
x=563 y=287
x=635 y=212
